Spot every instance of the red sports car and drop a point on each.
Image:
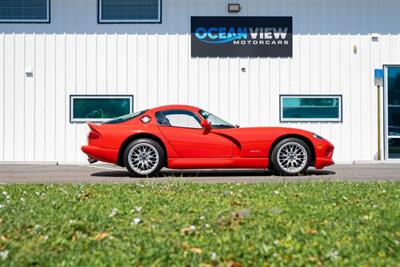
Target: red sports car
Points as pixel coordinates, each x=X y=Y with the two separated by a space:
x=186 y=137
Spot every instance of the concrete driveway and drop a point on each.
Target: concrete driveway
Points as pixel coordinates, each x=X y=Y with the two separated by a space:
x=102 y=173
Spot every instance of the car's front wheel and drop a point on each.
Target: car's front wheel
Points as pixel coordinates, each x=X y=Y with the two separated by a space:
x=291 y=156
x=143 y=158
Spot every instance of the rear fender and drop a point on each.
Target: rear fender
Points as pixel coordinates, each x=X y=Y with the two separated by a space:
x=168 y=151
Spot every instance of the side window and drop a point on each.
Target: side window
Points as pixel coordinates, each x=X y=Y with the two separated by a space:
x=161 y=120
x=178 y=118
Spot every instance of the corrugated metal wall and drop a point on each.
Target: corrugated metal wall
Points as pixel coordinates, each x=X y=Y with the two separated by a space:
x=73 y=54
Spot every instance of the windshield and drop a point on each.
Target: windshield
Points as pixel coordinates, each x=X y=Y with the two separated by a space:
x=215 y=121
x=125 y=117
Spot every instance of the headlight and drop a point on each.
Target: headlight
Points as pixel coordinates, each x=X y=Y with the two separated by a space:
x=318 y=136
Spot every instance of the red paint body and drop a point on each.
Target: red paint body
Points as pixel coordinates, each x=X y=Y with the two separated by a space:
x=188 y=148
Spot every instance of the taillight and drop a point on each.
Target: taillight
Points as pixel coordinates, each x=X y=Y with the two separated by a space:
x=93 y=135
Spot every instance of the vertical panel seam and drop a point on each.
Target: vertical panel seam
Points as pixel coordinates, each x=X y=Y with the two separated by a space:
x=106 y=64
x=177 y=70
x=229 y=86
x=75 y=90
x=65 y=97
x=55 y=96
x=188 y=68
x=157 y=69
x=239 y=76
x=147 y=70
x=219 y=85
x=249 y=90
x=86 y=62
x=360 y=97
x=259 y=93
x=350 y=126
x=168 y=68
x=127 y=66
x=24 y=104
x=4 y=95
x=96 y=62
x=208 y=83
x=44 y=95
x=137 y=67
x=34 y=96
x=116 y=63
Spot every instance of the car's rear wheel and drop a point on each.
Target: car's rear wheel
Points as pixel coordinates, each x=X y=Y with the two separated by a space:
x=143 y=158
x=291 y=156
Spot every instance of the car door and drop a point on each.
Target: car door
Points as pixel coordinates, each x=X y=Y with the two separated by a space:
x=182 y=129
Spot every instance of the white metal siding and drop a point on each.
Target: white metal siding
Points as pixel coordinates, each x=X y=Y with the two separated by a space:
x=75 y=55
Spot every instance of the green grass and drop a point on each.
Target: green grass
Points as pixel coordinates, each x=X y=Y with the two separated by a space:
x=181 y=224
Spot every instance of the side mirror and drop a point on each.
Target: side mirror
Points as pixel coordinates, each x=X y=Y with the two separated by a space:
x=206 y=125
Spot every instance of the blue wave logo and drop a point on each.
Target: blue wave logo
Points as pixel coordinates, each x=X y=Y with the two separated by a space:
x=214 y=35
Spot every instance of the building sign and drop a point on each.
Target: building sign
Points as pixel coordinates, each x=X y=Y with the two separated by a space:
x=241 y=36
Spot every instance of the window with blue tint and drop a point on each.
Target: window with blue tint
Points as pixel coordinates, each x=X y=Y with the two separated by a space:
x=35 y=11
x=129 y=11
x=311 y=108
x=393 y=101
x=99 y=108
x=394 y=148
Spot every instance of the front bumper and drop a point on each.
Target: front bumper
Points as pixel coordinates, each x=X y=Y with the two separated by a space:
x=321 y=163
x=323 y=154
x=101 y=154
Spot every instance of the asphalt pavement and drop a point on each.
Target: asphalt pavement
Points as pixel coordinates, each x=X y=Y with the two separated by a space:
x=103 y=173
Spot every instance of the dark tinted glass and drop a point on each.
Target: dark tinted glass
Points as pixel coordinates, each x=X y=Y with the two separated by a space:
x=394 y=148
x=394 y=101
x=311 y=108
x=161 y=120
x=129 y=10
x=126 y=117
x=23 y=9
x=100 y=108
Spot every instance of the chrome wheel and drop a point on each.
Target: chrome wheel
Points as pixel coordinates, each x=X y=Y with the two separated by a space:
x=143 y=158
x=292 y=157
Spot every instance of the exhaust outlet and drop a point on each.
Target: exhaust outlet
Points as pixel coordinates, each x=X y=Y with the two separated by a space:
x=91 y=161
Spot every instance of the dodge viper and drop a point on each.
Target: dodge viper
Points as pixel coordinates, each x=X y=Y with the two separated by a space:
x=187 y=137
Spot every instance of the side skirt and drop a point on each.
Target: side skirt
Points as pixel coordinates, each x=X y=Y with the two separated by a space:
x=207 y=163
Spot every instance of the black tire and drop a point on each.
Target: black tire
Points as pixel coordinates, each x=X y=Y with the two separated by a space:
x=155 y=149
x=278 y=165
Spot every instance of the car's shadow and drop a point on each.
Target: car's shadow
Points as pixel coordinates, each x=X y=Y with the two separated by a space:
x=210 y=173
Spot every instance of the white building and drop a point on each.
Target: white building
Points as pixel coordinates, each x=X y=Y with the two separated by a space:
x=78 y=49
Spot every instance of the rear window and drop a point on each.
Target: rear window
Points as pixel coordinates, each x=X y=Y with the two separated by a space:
x=126 y=117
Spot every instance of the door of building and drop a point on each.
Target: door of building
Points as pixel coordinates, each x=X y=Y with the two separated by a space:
x=392 y=112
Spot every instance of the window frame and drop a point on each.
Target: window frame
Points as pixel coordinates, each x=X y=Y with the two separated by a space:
x=128 y=21
x=31 y=21
x=385 y=124
x=80 y=120
x=338 y=96
x=188 y=111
